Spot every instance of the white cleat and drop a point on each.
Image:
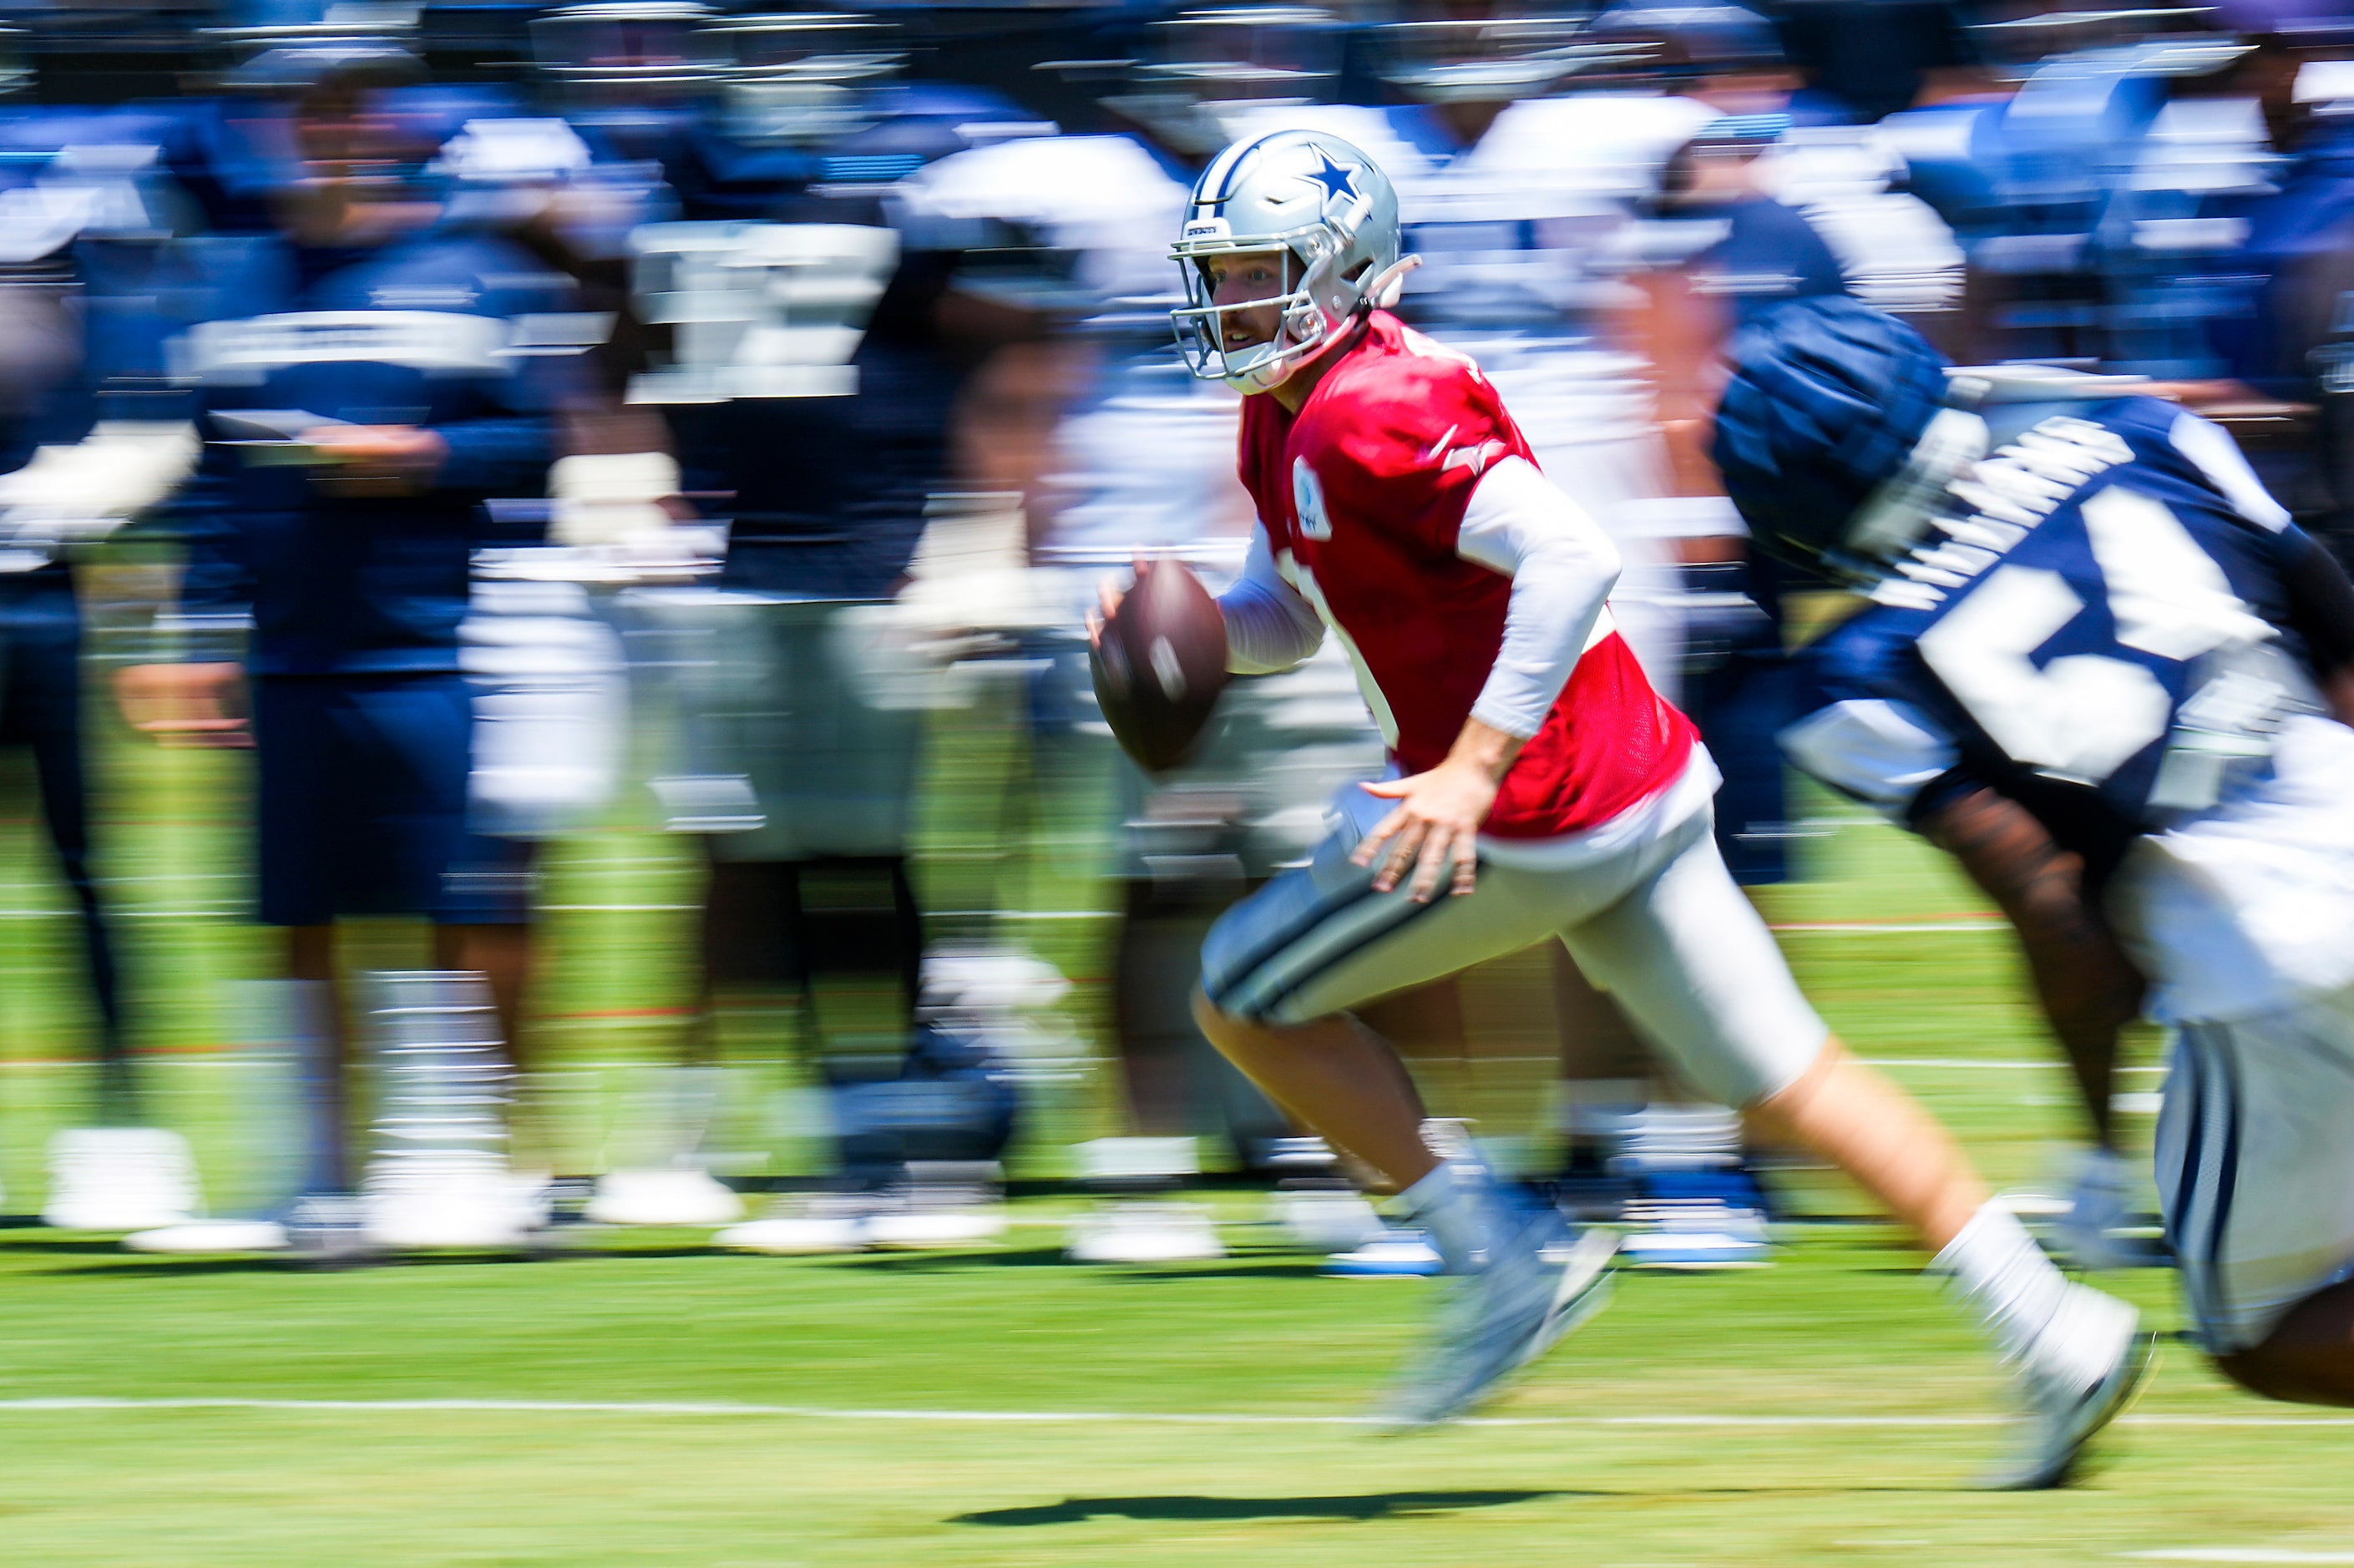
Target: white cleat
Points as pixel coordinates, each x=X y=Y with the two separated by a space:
x=1326 y=1220
x=796 y=1235
x=461 y=1203
x=210 y=1238
x=2060 y=1419
x=1533 y=1291
x=1145 y=1233
x=673 y=1196
x=1706 y=1234
x=915 y=1229
x=119 y=1179
x=1394 y=1255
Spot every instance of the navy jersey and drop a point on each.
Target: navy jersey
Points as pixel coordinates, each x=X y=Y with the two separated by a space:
x=433 y=330
x=2101 y=629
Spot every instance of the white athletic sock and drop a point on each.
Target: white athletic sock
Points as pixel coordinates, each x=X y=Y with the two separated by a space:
x=2068 y=1334
x=1453 y=1205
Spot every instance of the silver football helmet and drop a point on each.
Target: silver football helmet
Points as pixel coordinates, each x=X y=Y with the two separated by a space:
x=1321 y=204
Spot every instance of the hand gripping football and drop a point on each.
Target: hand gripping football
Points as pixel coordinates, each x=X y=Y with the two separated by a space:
x=1161 y=664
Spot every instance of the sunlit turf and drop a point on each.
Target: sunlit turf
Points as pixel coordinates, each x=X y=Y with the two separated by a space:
x=1842 y=1326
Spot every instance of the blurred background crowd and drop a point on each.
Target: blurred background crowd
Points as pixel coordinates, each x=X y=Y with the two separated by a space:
x=545 y=551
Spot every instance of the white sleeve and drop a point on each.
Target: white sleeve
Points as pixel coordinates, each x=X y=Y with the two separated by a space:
x=1269 y=626
x=1563 y=568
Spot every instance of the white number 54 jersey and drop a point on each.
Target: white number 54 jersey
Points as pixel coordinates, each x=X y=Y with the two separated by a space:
x=2101 y=630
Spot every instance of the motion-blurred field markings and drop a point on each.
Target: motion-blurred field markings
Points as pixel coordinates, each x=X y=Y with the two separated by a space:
x=1091 y=1417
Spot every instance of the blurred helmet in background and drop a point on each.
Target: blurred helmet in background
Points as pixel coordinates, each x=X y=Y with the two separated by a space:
x=629 y=54
x=1326 y=209
x=1482 y=51
x=1678 y=43
x=804 y=78
x=1829 y=407
x=1201 y=69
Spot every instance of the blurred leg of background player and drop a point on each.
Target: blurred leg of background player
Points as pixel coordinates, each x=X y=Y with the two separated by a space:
x=115 y=1174
x=362 y=810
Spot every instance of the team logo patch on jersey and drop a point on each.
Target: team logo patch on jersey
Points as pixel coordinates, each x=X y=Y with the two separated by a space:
x=1308 y=501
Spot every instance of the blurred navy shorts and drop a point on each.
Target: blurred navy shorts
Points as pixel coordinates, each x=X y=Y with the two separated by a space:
x=363 y=803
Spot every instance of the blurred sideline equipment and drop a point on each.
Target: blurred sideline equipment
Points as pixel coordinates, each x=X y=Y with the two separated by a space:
x=1161 y=664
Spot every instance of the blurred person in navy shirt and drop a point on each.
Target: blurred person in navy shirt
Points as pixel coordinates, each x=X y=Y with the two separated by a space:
x=359 y=404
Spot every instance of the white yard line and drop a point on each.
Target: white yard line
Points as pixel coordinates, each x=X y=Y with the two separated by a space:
x=1884 y=927
x=1065 y=1417
x=2240 y=1555
x=1981 y=1064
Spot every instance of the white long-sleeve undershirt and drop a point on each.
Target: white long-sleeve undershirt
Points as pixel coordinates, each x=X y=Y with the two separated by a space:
x=1562 y=568
x=1518 y=525
x=1269 y=626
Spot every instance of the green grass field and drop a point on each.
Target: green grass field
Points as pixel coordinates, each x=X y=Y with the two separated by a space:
x=642 y=1400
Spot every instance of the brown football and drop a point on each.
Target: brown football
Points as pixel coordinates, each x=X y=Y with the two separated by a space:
x=1161 y=664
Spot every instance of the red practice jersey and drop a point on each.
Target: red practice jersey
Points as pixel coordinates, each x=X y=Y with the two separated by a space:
x=1363 y=493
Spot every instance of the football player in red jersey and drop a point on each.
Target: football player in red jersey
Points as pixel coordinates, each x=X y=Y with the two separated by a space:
x=1539 y=789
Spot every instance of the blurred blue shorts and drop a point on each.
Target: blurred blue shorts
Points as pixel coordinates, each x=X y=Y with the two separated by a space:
x=362 y=803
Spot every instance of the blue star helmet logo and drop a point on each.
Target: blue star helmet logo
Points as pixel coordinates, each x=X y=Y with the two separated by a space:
x=1337 y=180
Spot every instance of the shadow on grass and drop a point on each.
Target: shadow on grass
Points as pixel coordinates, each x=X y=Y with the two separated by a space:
x=1286 y=1270
x=114 y=1263
x=1368 y=1506
x=927 y=1262
x=1374 y=1505
x=70 y=1242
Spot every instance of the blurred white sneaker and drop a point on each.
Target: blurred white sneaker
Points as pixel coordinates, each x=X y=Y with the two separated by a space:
x=672 y=1195
x=914 y=1228
x=1144 y=1232
x=455 y=1203
x=210 y=1238
x=119 y=1179
x=796 y=1235
x=1701 y=1235
x=1394 y=1255
x=1326 y=1220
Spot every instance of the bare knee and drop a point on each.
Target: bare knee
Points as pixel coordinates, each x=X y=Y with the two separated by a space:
x=1215 y=1021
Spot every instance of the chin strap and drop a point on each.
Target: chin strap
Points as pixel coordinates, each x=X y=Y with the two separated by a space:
x=1389 y=283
